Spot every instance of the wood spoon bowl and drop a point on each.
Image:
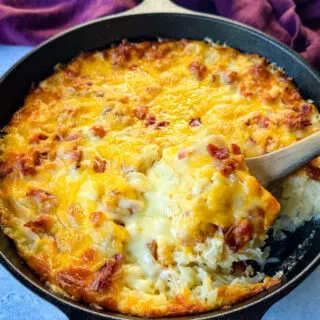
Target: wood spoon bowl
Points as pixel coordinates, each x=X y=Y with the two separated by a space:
x=280 y=163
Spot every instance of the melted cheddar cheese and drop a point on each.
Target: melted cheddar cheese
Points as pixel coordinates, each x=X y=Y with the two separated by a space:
x=123 y=180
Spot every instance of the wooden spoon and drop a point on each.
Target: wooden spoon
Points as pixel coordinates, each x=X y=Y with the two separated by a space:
x=280 y=163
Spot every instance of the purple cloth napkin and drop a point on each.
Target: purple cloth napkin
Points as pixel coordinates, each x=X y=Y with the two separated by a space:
x=295 y=23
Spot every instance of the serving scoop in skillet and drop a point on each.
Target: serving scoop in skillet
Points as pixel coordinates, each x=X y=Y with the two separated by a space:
x=280 y=163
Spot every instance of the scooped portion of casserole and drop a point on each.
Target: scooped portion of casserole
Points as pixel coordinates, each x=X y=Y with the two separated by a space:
x=123 y=180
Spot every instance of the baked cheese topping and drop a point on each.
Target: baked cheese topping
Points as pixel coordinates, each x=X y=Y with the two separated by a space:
x=123 y=180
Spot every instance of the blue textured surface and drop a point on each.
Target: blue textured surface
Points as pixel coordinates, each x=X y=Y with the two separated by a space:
x=19 y=303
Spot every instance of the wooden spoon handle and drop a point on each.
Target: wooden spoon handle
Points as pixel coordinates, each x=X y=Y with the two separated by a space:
x=280 y=163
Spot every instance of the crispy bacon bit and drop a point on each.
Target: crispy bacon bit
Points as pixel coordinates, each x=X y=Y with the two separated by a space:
x=237 y=235
x=290 y=96
x=37 y=137
x=259 y=73
x=293 y=108
x=89 y=255
x=245 y=91
x=198 y=69
x=252 y=140
x=235 y=149
x=74 y=280
x=229 y=77
x=98 y=131
x=297 y=121
x=304 y=123
x=213 y=78
x=40 y=195
x=38 y=157
x=99 y=165
x=161 y=124
x=5 y=168
x=104 y=277
x=76 y=155
x=140 y=112
x=24 y=163
x=306 y=108
x=195 y=122
x=42 y=224
x=182 y=154
x=218 y=153
x=58 y=136
x=133 y=67
x=89 y=56
x=153 y=247
x=70 y=112
x=263 y=122
x=26 y=166
x=313 y=172
x=158 y=51
x=269 y=140
x=144 y=45
x=97 y=218
x=151 y=120
x=228 y=166
x=258 y=119
x=122 y=54
x=70 y=73
x=268 y=98
x=73 y=136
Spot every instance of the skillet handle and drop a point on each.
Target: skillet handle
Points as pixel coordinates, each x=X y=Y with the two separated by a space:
x=155 y=6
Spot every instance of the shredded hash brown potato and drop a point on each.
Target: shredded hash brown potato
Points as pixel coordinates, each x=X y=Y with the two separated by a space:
x=123 y=181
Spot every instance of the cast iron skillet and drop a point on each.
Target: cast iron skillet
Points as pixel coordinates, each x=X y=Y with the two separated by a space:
x=299 y=254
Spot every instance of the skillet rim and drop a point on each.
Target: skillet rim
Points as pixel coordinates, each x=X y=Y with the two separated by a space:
x=261 y=302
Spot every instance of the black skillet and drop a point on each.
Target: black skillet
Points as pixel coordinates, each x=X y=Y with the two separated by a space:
x=299 y=254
